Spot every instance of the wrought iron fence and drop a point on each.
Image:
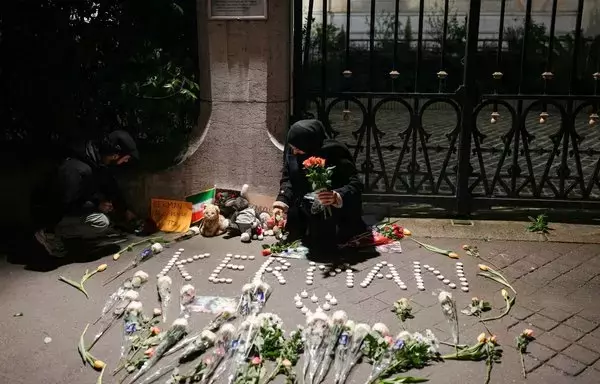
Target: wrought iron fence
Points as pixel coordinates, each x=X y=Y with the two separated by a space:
x=444 y=117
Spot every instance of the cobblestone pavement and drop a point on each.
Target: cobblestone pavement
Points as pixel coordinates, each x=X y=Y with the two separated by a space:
x=439 y=120
x=557 y=287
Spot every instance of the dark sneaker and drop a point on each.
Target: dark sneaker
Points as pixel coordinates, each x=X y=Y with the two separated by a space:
x=53 y=245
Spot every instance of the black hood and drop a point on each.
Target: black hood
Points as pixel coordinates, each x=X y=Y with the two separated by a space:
x=308 y=136
x=86 y=151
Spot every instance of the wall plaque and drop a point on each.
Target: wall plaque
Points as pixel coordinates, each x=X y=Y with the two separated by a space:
x=237 y=9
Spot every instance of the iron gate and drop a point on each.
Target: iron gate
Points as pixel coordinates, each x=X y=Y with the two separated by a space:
x=442 y=108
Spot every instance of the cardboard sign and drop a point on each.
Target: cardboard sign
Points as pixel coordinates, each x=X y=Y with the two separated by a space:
x=171 y=215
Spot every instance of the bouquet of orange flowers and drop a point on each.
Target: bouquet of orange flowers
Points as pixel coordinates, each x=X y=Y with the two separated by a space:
x=320 y=178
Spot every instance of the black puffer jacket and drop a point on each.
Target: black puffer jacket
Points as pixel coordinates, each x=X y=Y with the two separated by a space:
x=345 y=180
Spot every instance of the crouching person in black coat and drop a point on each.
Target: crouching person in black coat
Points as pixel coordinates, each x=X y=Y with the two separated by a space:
x=83 y=193
x=319 y=232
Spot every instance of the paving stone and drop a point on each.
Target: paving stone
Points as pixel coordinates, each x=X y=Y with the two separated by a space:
x=512 y=273
x=567 y=365
x=596 y=365
x=371 y=305
x=552 y=341
x=590 y=342
x=531 y=364
x=556 y=314
x=581 y=354
x=520 y=312
x=539 y=352
x=542 y=322
x=581 y=324
x=567 y=332
x=589 y=376
x=539 y=259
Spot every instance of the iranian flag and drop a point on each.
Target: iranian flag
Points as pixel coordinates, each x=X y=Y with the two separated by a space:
x=199 y=201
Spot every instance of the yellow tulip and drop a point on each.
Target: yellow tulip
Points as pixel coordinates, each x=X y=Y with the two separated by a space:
x=101 y=267
x=504 y=293
x=407 y=232
x=481 y=338
x=465 y=247
x=99 y=364
x=483 y=267
x=116 y=256
x=453 y=255
x=493 y=339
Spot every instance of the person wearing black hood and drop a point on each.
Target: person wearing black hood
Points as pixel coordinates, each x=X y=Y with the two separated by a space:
x=309 y=138
x=83 y=193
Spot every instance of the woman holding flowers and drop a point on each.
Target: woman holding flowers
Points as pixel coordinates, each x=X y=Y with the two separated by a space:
x=319 y=167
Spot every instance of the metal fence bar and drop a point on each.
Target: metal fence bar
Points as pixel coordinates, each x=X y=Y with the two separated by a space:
x=469 y=100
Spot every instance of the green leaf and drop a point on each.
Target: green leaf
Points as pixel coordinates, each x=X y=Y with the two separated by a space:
x=404 y=379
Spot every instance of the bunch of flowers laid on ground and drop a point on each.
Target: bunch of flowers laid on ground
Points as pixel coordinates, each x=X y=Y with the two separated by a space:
x=124 y=294
x=350 y=349
x=523 y=341
x=448 y=306
x=163 y=286
x=391 y=356
x=403 y=310
x=486 y=349
x=393 y=232
x=319 y=177
x=80 y=285
x=176 y=332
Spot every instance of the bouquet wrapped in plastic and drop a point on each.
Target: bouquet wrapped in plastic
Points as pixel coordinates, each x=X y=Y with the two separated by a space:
x=317 y=329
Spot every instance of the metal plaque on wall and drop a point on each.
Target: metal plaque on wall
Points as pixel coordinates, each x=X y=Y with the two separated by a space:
x=237 y=9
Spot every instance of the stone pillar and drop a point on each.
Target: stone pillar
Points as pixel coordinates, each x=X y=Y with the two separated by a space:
x=245 y=100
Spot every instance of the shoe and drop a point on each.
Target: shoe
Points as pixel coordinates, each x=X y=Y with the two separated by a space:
x=53 y=245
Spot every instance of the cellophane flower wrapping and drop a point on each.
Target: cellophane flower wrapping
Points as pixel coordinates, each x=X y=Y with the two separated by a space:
x=176 y=332
x=163 y=286
x=131 y=324
x=343 y=349
x=361 y=331
x=449 y=310
x=187 y=294
x=226 y=340
x=317 y=329
x=338 y=321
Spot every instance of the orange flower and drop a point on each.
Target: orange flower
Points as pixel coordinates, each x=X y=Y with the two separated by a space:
x=493 y=339
x=314 y=162
x=149 y=352
x=528 y=332
x=481 y=338
x=155 y=330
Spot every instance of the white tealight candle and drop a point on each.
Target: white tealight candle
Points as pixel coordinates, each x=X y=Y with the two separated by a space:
x=314 y=298
x=304 y=294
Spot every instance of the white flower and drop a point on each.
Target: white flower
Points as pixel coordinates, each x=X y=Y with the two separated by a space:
x=195 y=230
x=181 y=322
x=433 y=341
x=164 y=282
x=143 y=276
x=404 y=335
x=156 y=248
x=157 y=312
x=361 y=330
x=209 y=336
x=131 y=295
x=134 y=307
x=188 y=289
x=248 y=288
x=444 y=297
x=316 y=317
x=350 y=326
x=381 y=328
x=339 y=318
x=226 y=332
x=419 y=338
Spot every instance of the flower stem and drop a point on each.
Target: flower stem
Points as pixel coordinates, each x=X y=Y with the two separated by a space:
x=509 y=305
x=523 y=365
x=489 y=373
x=75 y=285
x=273 y=374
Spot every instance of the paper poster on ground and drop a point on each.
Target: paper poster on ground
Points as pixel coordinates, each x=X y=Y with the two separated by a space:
x=171 y=215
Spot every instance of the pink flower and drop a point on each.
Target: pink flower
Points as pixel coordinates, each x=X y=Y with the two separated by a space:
x=286 y=363
x=256 y=360
x=389 y=340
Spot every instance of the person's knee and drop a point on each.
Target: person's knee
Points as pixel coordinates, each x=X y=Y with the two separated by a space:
x=98 y=221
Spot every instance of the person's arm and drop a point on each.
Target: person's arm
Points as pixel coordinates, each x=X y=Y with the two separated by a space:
x=286 y=194
x=353 y=187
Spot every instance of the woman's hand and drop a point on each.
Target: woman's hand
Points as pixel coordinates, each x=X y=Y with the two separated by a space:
x=329 y=198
